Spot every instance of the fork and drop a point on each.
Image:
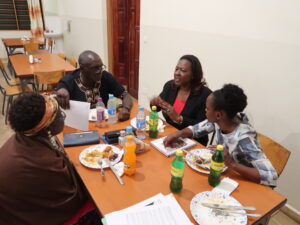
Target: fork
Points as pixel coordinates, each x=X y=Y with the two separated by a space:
x=100 y=162
x=219 y=212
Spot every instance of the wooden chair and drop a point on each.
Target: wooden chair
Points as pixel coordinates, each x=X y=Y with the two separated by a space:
x=10 y=92
x=277 y=154
x=31 y=46
x=48 y=79
x=73 y=62
x=9 y=81
x=50 y=43
x=62 y=55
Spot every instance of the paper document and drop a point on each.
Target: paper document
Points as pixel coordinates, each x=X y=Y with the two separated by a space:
x=158 y=210
x=78 y=115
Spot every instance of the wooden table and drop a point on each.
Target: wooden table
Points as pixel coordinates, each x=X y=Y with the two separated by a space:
x=153 y=177
x=49 y=62
x=13 y=43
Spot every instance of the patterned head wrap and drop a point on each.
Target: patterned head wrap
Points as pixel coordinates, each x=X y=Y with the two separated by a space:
x=49 y=116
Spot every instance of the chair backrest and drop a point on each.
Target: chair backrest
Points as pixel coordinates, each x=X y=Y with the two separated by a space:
x=277 y=154
x=5 y=75
x=73 y=62
x=31 y=46
x=62 y=55
x=47 y=78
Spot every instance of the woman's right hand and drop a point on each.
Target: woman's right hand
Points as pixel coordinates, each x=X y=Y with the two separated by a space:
x=171 y=139
x=157 y=101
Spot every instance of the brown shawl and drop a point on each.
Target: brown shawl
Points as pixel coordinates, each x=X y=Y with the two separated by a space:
x=38 y=185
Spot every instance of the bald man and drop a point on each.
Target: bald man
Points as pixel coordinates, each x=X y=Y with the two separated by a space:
x=90 y=82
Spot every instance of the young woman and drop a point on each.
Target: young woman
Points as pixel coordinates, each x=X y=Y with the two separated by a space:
x=242 y=151
x=183 y=99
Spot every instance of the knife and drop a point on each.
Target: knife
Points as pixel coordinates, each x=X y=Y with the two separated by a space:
x=232 y=207
x=114 y=171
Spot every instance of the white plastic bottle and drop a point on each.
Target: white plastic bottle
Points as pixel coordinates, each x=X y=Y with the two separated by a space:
x=141 y=124
x=100 y=109
x=111 y=109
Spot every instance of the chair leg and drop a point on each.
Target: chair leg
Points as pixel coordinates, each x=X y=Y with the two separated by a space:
x=7 y=108
x=3 y=106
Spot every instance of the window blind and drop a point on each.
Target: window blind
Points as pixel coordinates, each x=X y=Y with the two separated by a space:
x=14 y=15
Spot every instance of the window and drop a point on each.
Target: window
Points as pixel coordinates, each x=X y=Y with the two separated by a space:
x=14 y=15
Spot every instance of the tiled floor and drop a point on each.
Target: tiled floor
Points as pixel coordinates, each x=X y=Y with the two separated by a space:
x=279 y=218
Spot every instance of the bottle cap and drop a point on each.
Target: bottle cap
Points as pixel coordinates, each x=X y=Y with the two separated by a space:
x=122 y=132
x=99 y=99
x=179 y=152
x=129 y=128
x=110 y=95
x=141 y=108
x=129 y=137
x=220 y=147
x=154 y=108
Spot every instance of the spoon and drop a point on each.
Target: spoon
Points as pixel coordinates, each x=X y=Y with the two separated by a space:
x=100 y=162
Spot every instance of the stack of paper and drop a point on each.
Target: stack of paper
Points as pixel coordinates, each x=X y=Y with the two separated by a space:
x=158 y=210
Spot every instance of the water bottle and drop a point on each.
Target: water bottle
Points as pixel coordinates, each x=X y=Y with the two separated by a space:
x=177 y=171
x=111 y=109
x=100 y=109
x=216 y=166
x=129 y=131
x=141 y=124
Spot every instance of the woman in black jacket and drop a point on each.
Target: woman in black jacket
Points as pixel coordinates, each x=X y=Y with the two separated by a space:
x=183 y=99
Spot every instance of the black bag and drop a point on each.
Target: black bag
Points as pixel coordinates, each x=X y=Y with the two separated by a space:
x=82 y=138
x=112 y=136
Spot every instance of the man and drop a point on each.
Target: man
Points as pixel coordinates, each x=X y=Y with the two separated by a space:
x=89 y=83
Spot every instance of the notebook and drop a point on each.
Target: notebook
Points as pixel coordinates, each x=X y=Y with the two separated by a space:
x=82 y=138
x=182 y=143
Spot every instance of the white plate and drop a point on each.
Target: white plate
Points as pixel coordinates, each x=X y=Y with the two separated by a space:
x=160 y=123
x=100 y=148
x=204 y=153
x=206 y=216
x=93 y=115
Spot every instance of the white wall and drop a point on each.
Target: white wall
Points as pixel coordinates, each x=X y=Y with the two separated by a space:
x=255 y=44
x=87 y=21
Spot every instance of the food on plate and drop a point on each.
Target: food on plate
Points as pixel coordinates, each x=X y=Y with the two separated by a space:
x=203 y=160
x=93 y=156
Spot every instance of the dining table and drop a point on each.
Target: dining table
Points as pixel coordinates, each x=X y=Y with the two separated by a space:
x=153 y=176
x=46 y=63
x=11 y=44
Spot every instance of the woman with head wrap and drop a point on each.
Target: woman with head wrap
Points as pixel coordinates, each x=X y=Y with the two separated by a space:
x=38 y=183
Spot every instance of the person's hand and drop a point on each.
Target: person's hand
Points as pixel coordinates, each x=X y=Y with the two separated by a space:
x=157 y=101
x=63 y=98
x=171 y=139
x=228 y=159
x=212 y=148
x=170 y=111
x=124 y=114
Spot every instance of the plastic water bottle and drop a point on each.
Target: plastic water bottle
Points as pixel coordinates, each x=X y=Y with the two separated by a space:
x=177 y=171
x=100 y=109
x=111 y=109
x=141 y=123
x=129 y=131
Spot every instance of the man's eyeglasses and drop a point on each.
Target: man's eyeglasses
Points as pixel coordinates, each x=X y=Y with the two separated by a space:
x=96 y=68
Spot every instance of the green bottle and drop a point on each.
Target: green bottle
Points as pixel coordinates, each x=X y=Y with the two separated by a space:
x=177 y=171
x=153 y=123
x=216 y=166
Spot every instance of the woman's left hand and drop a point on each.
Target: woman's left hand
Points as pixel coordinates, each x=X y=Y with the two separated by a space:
x=170 y=111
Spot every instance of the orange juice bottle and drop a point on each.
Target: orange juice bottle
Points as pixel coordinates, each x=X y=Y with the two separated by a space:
x=129 y=156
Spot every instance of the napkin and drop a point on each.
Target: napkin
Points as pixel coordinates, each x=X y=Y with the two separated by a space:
x=226 y=186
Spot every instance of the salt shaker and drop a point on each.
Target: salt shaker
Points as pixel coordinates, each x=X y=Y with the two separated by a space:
x=122 y=138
